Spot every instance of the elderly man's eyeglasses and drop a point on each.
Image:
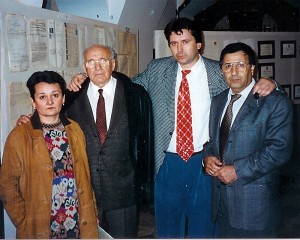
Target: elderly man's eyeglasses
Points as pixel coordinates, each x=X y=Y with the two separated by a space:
x=240 y=66
x=92 y=63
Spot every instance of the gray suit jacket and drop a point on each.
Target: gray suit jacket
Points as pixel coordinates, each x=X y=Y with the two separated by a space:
x=159 y=79
x=260 y=141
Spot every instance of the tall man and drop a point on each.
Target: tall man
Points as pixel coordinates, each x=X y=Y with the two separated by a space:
x=181 y=188
x=245 y=159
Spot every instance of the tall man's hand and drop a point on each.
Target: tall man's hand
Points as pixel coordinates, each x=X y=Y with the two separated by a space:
x=264 y=87
x=76 y=82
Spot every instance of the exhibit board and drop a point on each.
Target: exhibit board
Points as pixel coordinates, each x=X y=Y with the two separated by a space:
x=278 y=54
x=34 y=39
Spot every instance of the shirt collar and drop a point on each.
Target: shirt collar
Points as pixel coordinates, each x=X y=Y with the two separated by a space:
x=107 y=89
x=194 y=68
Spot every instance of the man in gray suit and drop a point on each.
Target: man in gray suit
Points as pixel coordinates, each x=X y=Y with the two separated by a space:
x=246 y=177
x=181 y=189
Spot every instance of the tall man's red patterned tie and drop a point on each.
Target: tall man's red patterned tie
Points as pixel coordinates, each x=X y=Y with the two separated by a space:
x=184 y=141
x=101 y=118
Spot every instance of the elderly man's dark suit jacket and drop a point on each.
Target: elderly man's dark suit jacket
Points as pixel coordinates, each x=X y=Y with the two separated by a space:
x=127 y=148
x=260 y=141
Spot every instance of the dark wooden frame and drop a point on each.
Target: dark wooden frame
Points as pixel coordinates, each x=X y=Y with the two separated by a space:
x=270 y=45
x=261 y=65
x=287 y=88
x=296 y=91
x=288 y=54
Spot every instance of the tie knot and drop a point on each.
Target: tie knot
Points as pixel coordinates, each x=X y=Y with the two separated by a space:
x=235 y=97
x=185 y=72
x=100 y=91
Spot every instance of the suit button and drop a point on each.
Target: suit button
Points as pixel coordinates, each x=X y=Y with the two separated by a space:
x=170 y=133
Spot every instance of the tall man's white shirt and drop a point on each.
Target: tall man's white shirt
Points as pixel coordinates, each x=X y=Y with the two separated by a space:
x=200 y=104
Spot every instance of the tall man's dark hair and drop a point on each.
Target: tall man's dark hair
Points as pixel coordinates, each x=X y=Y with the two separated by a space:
x=178 y=24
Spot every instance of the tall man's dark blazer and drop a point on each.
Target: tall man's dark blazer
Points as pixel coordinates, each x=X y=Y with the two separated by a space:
x=260 y=141
x=122 y=164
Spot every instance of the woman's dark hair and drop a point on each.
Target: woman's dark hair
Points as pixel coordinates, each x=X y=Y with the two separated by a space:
x=177 y=25
x=236 y=47
x=46 y=77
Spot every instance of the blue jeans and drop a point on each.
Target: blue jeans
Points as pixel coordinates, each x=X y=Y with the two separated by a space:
x=183 y=192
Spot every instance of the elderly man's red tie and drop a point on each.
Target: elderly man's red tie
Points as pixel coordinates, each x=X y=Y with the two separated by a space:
x=101 y=118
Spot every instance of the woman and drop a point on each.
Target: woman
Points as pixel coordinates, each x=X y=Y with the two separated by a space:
x=45 y=180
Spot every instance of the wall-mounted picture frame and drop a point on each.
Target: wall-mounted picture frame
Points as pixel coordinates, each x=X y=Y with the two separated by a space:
x=288 y=49
x=266 y=49
x=266 y=70
x=287 y=89
x=296 y=91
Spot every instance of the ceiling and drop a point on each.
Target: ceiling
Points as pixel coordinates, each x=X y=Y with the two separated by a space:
x=196 y=6
x=244 y=15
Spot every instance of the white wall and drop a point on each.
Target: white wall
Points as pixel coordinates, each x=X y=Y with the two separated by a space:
x=146 y=20
x=144 y=15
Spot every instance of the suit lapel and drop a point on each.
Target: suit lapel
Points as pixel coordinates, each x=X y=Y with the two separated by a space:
x=220 y=104
x=249 y=105
x=214 y=75
x=169 y=83
x=119 y=105
x=85 y=107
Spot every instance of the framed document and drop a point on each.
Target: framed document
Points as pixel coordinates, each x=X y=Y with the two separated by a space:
x=287 y=49
x=296 y=91
x=266 y=70
x=266 y=49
